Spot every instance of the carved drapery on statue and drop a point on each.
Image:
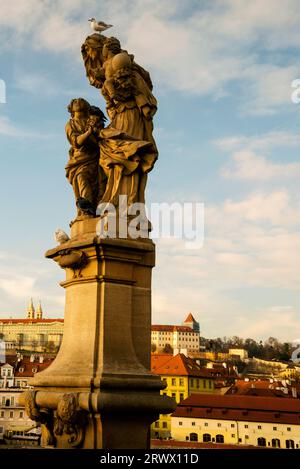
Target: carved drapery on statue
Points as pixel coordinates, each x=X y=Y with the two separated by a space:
x=108 y=162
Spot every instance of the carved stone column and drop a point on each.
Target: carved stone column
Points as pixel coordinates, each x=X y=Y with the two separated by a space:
x=99 y=392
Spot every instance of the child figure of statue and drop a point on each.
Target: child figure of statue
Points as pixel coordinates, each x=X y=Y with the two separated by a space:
x=82 y=170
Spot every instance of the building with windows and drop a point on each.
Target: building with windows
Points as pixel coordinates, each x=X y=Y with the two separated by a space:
x=15 y=376
x=184 y=337
x=182 y=376
x=238 y=420
x=34 y=332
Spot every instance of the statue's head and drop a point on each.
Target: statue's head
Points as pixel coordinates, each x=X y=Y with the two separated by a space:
x=78 y=105
x=112 y=44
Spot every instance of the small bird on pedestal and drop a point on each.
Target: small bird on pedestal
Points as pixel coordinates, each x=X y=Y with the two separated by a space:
x=99 y=26
x=61 y=236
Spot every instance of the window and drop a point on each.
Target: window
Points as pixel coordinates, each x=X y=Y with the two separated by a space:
x=193 y=424
x=259 y=427
x=261 y=442
x=21 y=415
x=275 y=443
x=165 y=425
x=192 y=382
x=206 y=424
x=2 y=414
x=181 y=382
x=174 y=395
x=289 y=444
x=288 y=429
x=3 y=400
x=180 y=424
x=156 y=424
x=209 y=384
x=206 y=437
x=219 y=439
x=12 y=401
x=1 y=429
x=173 y=382
x=232 y=425
x=193 y=437
x=274 y=428
x=219 y=425
x=246 y=426
x=204 y=383
x=11 y=414
x=233 y=435
x=181 y=396
x=246 y=437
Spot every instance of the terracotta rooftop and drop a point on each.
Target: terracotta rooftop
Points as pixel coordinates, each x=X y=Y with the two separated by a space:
x=168 y=328
x=27 y=321
x=244 y=408
x=24 y=368
x=261 y=388
x=190 y=318
x=178 y=365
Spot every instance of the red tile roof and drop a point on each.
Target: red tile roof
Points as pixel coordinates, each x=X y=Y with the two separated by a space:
x=261 y=388
x=196 y=444
x=27 y=321
x=178 y=365
x=29 y=366
x=168 y=328
x=245 y=408
x=190 y=318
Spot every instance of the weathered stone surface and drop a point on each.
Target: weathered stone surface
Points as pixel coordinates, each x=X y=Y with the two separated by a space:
x=103 y=366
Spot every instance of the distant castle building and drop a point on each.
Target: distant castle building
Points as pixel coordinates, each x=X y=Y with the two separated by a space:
x=32 y=333
x=184 y=337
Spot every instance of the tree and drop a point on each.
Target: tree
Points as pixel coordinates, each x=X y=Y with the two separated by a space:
x=167 y=349
x=153 y=348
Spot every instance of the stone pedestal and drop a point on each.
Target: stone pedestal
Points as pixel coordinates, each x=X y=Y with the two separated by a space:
x=99 y=392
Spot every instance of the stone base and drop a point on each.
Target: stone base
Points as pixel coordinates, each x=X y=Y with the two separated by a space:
x=99 y=392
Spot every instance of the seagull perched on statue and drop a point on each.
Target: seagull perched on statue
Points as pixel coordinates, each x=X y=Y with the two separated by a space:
x=61 y=236
x=99 y=26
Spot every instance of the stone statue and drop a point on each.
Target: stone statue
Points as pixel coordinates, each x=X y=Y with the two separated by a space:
x=83 y=170
x=108 y=162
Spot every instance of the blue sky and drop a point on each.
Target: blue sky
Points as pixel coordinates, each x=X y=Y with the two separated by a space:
x=228 y=135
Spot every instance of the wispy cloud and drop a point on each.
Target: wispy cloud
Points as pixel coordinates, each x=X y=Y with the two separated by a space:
x=8 y=129
x=199 y=49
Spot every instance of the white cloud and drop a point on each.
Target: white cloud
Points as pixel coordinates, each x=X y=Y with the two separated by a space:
x=10 y=130
x=246 y=163
x=193 y=48
x=22 y=278
x=250 y=166
x=266 y=142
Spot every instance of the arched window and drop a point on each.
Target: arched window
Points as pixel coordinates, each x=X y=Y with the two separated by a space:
x=289 y=444
x=276 y=443
x=206 y=437
x=193 y=437
x=261 y=442
x=219 y=439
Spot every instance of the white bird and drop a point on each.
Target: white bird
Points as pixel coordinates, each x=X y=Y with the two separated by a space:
x=99 y=26
x=60 y=236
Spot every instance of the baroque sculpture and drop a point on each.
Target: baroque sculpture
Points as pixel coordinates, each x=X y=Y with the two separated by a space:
x=99 y=392
x=112 y=161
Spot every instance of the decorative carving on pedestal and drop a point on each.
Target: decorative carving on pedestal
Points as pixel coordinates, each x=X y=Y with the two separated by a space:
x=75 y=260
x=43 y=416
x=70 y=419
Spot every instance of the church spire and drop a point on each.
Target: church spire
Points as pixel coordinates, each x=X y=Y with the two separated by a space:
x=30 y=310
x=39 y=311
